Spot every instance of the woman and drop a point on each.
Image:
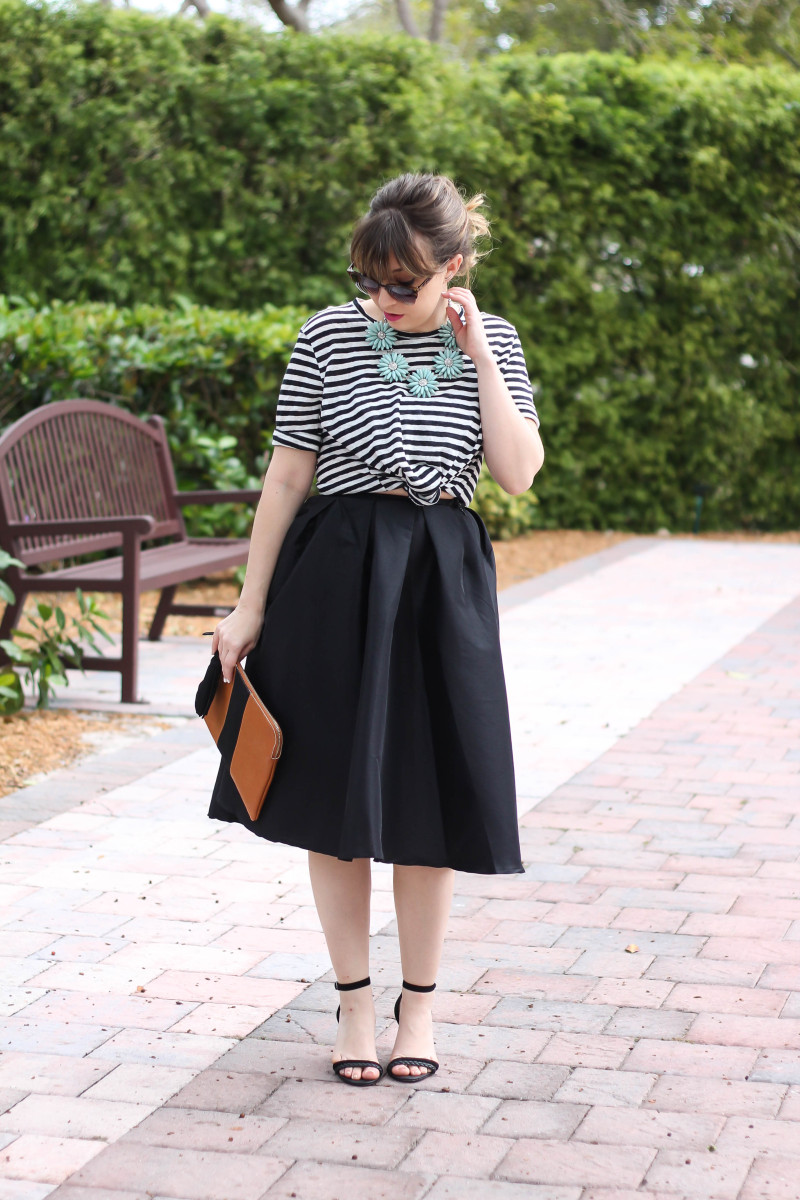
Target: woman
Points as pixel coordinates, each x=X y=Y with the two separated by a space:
x=369 y=612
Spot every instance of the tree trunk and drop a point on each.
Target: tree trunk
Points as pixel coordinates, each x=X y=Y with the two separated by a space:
x=202 y=6
x=438 y=10
x=407 y=18
x=293 y=15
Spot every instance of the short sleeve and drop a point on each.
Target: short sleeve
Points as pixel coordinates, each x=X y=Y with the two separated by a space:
x=297 y=421
x=511 y=361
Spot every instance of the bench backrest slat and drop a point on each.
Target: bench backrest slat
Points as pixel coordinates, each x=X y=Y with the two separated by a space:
x=81 y=458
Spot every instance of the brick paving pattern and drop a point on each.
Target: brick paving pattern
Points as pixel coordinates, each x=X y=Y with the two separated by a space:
x=622 y=1021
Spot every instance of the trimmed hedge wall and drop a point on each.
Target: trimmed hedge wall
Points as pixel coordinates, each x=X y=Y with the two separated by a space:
x=646 y=223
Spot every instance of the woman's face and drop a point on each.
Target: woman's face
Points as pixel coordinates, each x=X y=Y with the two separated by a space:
x=428 y=310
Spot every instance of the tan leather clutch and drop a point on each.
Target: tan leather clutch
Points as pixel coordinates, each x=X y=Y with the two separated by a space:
x=247 y=735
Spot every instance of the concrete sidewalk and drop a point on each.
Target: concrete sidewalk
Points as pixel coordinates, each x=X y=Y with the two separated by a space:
x=621 y=1021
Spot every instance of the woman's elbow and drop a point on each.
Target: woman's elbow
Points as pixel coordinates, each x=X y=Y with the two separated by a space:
x=516 y=487
x=519 y=478
x=515 y=482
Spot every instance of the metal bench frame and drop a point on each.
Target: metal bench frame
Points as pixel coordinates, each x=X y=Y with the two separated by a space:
x=78 y=477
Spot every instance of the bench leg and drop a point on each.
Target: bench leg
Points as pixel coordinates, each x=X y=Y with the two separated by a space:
x=130 y=646
x=161 y=614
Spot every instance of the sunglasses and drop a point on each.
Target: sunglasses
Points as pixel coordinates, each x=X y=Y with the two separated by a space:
x=403 y=293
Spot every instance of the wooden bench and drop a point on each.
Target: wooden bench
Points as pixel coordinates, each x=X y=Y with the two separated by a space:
x=80 y=478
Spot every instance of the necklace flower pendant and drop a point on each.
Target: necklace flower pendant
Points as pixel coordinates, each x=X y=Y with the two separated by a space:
x=448 y=335
x=380 y=335
x=423 y=383
x=393 y=366
x=448 y=364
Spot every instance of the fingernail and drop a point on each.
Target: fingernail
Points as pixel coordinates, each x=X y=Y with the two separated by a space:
x=225 y=679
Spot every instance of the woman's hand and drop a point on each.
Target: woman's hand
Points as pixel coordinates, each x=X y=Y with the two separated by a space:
x=234 y=637
x=468 y=328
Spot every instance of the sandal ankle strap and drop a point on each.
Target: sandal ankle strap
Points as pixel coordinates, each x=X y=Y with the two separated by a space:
x=351 y=987
x=415 y=987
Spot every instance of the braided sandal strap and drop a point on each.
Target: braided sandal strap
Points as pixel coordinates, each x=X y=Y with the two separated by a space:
x=429 y=1064
x=343 y=1063
x=355 y=1062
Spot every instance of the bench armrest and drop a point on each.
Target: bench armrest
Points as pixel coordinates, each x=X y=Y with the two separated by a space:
x=141 y=526
x=241 y=495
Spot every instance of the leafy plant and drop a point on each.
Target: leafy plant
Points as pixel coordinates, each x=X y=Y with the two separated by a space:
x=56 y=643
x=11 y=694
x=504 y=516
x=7 y=560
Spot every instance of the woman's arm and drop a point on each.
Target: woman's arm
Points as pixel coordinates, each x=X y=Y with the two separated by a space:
x=511 y=442
x=286 y=486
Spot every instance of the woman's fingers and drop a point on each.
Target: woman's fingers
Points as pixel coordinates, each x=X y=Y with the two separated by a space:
x=229 y=662
x=230 y=655
x=462 y=296
x=234 y=637
x=468 y=326
x=232 y=649
x=455 y=320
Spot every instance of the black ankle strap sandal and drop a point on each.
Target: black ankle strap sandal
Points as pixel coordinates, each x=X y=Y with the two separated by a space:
x=429 y=1065
x=344 y=1063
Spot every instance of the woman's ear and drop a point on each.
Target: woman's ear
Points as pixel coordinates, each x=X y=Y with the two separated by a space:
x=454 y=266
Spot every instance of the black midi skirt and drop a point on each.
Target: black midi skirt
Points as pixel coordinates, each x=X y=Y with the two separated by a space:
x=380 y=658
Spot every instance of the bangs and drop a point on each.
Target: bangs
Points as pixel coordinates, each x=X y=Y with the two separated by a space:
x=382 y=234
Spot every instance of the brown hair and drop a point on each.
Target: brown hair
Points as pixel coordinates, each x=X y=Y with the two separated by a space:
x=424 y=221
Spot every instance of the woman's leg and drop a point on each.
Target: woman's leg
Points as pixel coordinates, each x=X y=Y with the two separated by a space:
x=422 y=899
x=342 y=896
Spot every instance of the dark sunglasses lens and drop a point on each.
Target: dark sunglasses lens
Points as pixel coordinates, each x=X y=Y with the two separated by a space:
x=366 y=284
x=404 y=295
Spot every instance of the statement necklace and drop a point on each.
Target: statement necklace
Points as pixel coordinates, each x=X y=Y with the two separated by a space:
x=394 y=367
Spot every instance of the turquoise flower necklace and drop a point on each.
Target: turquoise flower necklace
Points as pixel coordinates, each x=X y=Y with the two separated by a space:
x=394 y=367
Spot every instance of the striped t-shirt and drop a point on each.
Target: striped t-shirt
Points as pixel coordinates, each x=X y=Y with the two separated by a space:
x=371 y=435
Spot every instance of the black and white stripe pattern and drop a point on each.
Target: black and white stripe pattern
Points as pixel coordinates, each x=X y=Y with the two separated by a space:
x=373 y=436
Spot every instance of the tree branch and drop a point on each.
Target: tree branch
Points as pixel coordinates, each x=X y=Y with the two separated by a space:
x=407 y=18
x=293 y=15
x=438 y=10
x=625 y=22
x=784 y=53
x=203 y=8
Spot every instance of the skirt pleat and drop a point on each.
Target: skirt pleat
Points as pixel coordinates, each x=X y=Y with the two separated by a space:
x=380 y=657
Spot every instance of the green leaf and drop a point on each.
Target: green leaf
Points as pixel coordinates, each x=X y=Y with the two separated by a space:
x=12 y=696
x=8 y=560
x=16 y=653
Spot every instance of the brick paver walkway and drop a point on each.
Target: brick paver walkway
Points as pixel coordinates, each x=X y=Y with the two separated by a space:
x=623 y=1021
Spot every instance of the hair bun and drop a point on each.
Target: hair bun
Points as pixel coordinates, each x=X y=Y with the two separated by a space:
x=424 y=221
x=478 y=222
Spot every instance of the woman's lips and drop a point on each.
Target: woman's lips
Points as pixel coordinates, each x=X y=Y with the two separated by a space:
x=393 y=316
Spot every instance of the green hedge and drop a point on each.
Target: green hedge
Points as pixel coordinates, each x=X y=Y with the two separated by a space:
x=212 y=375
x=646 y=223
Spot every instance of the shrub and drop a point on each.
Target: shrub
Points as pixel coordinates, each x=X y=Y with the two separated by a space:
x=504 y=516
x=646 y=220
x=213 y=376
x=50 y=645
x=44 y=651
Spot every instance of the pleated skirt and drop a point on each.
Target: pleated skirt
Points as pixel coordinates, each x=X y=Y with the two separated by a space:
x=380 y=658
